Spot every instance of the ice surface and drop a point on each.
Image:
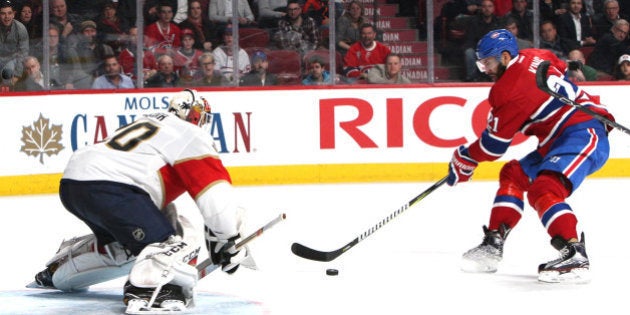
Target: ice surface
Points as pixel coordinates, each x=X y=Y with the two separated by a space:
x=410 y=266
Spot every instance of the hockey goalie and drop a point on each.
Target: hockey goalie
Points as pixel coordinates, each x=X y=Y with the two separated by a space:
x=123 y=189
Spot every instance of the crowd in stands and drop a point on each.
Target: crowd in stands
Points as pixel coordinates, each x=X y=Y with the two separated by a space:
x=596 y=29
x=93 y=44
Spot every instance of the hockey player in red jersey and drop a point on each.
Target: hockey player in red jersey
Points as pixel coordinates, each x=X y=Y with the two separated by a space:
x=572 y=145
x=123 y=189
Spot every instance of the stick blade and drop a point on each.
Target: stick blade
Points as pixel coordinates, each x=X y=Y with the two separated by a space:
x=311 y=254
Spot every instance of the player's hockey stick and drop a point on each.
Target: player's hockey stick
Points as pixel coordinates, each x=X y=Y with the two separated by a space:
x=206 y=267
x=541 y=82
x=312 y=254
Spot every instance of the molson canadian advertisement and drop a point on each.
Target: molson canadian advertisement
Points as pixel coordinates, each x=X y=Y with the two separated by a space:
x=283 y=136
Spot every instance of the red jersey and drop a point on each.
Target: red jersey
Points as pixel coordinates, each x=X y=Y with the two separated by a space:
x=361 y=58
x=161 y=40
x=128 y=61
x=517 y=104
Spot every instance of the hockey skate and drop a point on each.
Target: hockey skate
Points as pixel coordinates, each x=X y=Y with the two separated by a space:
x=168 y=299
x=571 y=267
x=485 y=257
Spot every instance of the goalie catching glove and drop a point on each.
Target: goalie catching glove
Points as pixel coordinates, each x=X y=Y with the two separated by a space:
x=461 y=167
x=224 y=252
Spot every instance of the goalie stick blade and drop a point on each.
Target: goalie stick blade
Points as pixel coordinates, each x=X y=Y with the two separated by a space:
x=309 y=253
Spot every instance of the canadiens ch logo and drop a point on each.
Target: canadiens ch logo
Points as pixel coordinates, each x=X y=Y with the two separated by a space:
x=41 y=139
x=138 y=234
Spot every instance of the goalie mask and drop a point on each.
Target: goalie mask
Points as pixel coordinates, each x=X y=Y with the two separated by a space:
x=190 y=106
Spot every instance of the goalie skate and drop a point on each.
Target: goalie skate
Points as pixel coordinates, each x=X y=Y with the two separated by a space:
x=571 y=267
x=486 y=257
x=168 y=300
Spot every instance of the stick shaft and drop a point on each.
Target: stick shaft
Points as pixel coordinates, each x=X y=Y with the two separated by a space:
x=541 y=82
x=312 y=254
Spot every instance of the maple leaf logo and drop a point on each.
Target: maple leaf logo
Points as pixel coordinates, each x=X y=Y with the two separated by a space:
x=41 y=139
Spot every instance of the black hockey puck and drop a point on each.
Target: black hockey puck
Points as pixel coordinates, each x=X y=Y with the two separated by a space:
x=332 y=272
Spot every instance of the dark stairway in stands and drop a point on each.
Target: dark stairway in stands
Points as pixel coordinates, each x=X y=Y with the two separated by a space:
x=402 y=36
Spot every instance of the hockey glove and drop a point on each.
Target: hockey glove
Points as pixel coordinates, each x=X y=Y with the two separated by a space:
x=223 y=252
x=461 y=167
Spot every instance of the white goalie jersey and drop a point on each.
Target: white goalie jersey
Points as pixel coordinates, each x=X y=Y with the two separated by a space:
x=163 y=155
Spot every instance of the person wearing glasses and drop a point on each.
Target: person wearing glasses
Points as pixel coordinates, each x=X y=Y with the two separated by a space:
x=297 y=31
x=610 y=47
x=603 y=21
x=211 y=76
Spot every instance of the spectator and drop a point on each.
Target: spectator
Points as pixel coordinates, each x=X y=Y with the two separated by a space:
x=318 y=10
x=576 y=55
x=622 y=71
x=317 y=73
x=186 y=58
x=297 y=31
x=127 y=57
x=166 y=75
x=364 y=54
x=68 y=23
x=609 y=48
x=502 y=7
x=512 y=26
x=210 y=76
x=113 y=78
x=576 y=26
x=550 y=40
x=32 y=78
x=163 y=36
x=91 y=53
x=205 y=32
x=524 y=19
x=127 y=10
x=224 y=57
x=592 y=7
x=389 y=73
x=220 y=13
x=181 y=11
x=270 y=12
x=32 y=21
x=478 y=26
x=347 y=31
x=552 y=9
x=603 y=21
x=112 y=27
x=13 y=43
x=87 y=10
x=64 y=67
x=259 y=76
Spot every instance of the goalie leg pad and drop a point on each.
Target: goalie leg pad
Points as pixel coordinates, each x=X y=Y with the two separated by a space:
x=169 y=262
x=79 y=270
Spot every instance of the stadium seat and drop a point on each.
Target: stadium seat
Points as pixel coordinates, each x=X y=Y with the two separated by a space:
x=253 y=37
x=587 y=50
x=287 y=65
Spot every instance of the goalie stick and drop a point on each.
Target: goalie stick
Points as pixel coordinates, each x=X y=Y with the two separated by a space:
x=543 y=84
x=206 y=267
x=312 y=254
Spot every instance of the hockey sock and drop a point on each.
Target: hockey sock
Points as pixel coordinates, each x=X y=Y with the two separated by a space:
x=547 y=195
x=508 y=202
